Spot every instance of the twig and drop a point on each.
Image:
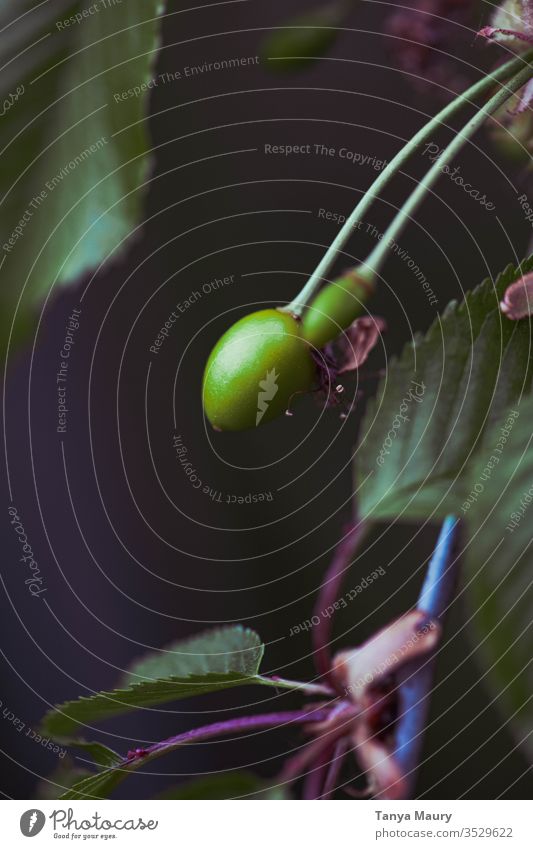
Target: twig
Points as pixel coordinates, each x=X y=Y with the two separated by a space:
x=305 y=687
x=335 y=766
x=238 y=726
x=329 y=592
x=316 y=777
x=140 y=756
x=417 y=679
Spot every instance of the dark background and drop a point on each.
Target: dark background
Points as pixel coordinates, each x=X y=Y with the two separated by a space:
x=133 y=562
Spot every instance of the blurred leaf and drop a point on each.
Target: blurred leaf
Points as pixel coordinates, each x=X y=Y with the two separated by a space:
x=217 y=660
x=74 y=158
x=499 y=575
x=101 y=755
x=61 y=779
x=470 y=369
x=98 y=786
x=25 y=41
x=304 y=39
x=102 y=784
x=229 y=785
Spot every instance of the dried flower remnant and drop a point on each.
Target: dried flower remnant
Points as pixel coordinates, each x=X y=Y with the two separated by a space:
x=363 y=719
x=359 y=340
x=346 y=355
x=424 y=37
x=368 y=676
x=512 y=23
x=517 y=301
x=512 y=26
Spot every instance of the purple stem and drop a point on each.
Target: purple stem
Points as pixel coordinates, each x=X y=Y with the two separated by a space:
x=318 y=774
x=339 y=723
x=315 y=778
x=335 y=766
x=417 y=679
x=329 y=593
x=297 y=764
x=218 y=729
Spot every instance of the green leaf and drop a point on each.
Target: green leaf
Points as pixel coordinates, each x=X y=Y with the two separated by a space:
x=220 y=651
x=303 y=39
x=101 y=755
x=217 y=660
x=432 y=411
x=498 y=564
x=229 y=785
x=74 y=158
x=98 y=786
x=466 y=449
x=65 y=776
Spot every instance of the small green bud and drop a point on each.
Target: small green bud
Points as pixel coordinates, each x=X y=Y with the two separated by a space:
x=254 y=370
x=304 y=39
x=336 y=307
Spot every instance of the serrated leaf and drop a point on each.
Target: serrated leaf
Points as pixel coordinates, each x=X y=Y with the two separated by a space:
x=74 y=158
x=498 y=568
x=217 y=660
x=432 y=411
x=222 y=650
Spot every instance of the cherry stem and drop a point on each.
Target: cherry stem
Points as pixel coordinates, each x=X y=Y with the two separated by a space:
x=322 y=270
x=416 y=683
x=376 y=258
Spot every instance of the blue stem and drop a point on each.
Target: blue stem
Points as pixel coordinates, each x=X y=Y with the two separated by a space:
x=439 y=583
x=415 y=688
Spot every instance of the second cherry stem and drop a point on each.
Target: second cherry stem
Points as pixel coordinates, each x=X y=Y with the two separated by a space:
x=512 y=76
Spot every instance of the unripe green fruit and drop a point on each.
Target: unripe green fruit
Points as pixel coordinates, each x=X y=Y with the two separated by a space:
x=335 y=308
x=254 y=370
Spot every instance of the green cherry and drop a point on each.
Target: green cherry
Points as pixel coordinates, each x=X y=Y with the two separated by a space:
x=265 y=358
x=336 y=306
x=254 y=370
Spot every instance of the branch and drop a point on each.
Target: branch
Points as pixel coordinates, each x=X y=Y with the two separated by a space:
x=329 y=592
x=102 y=783
x=417 y=679
x=230 y=726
